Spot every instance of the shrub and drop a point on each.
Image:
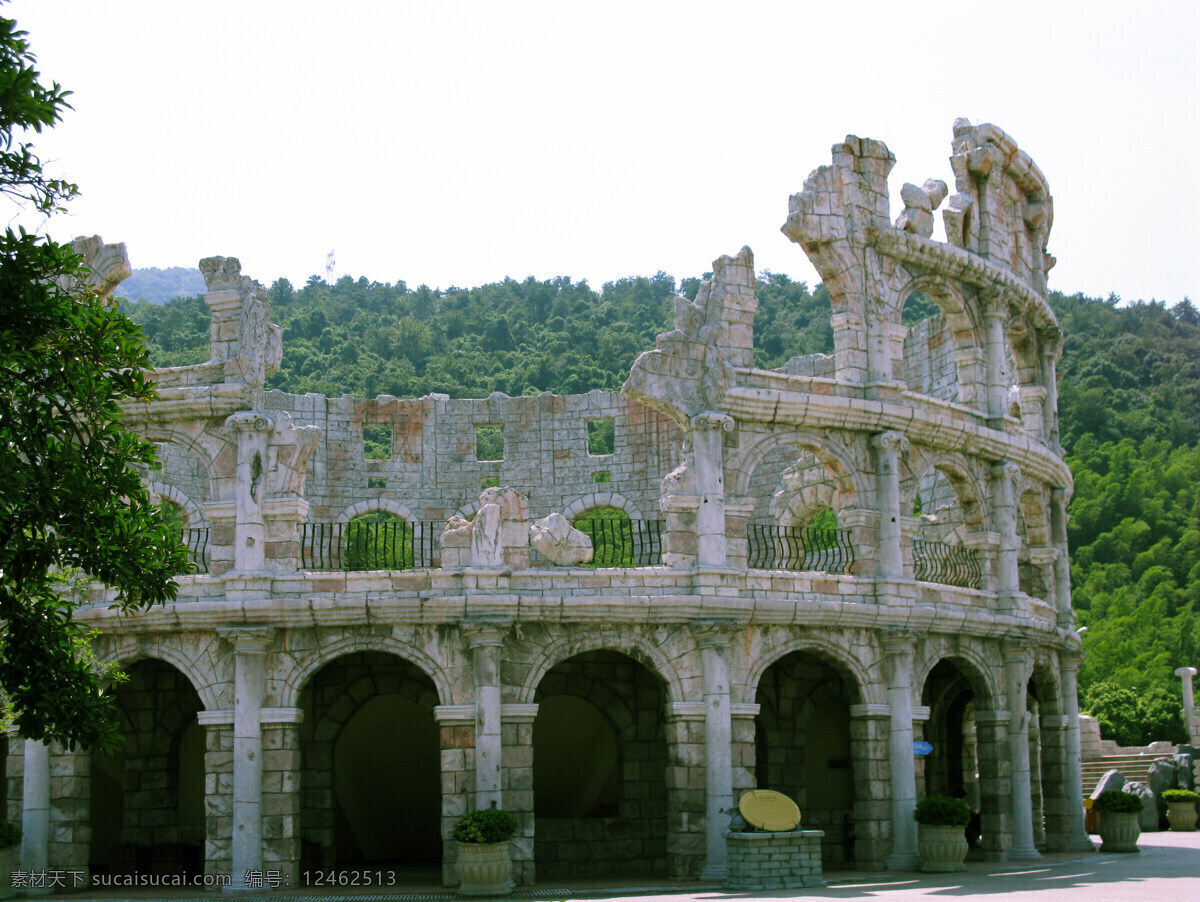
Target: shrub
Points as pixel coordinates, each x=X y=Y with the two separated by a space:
x=1117 y=802
x=10 y=834
x=488 y=825
x=942 y=811
x=1180 y=795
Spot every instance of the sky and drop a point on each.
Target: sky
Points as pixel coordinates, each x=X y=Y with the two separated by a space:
x=458 y=143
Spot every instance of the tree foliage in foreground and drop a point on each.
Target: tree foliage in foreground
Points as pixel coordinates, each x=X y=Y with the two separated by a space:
x=71 y=502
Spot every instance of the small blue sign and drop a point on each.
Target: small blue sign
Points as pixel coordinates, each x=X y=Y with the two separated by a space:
x=921 y=748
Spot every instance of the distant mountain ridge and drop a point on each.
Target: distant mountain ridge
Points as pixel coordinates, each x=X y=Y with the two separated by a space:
x=161 y=285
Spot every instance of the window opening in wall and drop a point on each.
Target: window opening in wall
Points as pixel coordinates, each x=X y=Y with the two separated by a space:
x=601 y=476
x=601 y=436
x=379 y=541
x=489 y=442
x=918 y=306
x=377 y=442
x=377 y=482
x=489 y=482
x=917 y=504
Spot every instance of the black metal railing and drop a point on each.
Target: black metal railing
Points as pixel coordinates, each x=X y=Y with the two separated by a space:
x=950 y=565
x=196 y=542
x=774 y=547
x=623 y=542
x=371 y=545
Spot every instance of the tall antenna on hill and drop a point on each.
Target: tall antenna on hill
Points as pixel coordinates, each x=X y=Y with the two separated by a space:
x=329 y=266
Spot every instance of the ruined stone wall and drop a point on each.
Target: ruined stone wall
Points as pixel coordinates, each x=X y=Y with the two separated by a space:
x=929 y=366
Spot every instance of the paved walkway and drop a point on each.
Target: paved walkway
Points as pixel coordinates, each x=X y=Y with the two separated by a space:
x=1166 y=870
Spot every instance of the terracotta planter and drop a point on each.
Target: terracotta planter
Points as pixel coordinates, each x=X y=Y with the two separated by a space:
x=485 y=869
x=1182 y=816
x=1119 y=831
x=9 y=859
x=942 y=848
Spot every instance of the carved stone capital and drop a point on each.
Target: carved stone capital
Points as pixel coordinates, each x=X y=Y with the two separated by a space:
x=896 y=641
x=890 y=441
x=1016 y=651
x=715 y=634
x=993 y=303
x=248 y=640
x=710 y=419
x=1006 y=470
x=249 y=421
x=484 y=634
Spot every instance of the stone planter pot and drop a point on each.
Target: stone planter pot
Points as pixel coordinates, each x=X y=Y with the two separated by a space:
x=1119 y=831
x=10 y=857
x=942 y=848
x=485 y=869
x=1182 y=816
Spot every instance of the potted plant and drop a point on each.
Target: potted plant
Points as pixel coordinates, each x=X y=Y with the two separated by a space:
x=484 y=864
x=1181 y=808
x=1119 y=828
x=10 y=852
x=941 y=833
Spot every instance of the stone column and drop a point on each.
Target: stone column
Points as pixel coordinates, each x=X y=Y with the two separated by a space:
x=686 y=837
x=1004 y=518
x=713 y=641
x=35 y=814
x=1050 y=402
x=1062 y=563
x=218 y=790
x=1057 y=797
x=870 y=743
x=1077 y=840
x=1037 y=787
x=516 y=731
x=888 y=448
x=849 y=347
x=1190 y=720
x=995 y=805
x=252 y=431
x=744 y=732
x=485 y=644
x=281 y=791
x=898 y=649
x=708 y=431
x=456 y=733
x=1016 y=680
x=249 y=680
x=995 y=319
x=70 y=828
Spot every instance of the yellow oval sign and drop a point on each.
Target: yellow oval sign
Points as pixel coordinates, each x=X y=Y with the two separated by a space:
x=767 y=809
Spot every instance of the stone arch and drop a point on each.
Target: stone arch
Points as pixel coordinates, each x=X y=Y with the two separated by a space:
x=977 y=668
x=601 y=499
x=208 y=457
x=851 y=484
x=207 y=685
x=192 y=512
x=868 y=690
x=627 y=642
x=968 y=493
x=1046 y=683
x=961 y=315
x=376 y=505
x=293 y=674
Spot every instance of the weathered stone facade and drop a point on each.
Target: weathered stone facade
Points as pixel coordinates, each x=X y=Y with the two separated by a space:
x=619 y=711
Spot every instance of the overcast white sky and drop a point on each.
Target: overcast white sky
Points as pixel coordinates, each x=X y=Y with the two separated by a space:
x=456 y=143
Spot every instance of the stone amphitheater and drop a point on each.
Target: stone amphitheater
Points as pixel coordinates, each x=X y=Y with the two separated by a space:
x=845 y=580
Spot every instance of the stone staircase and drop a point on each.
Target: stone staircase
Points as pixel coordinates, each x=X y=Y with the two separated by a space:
x=1134 y=767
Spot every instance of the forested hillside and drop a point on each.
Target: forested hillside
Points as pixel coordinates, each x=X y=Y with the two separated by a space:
x=1129 y=411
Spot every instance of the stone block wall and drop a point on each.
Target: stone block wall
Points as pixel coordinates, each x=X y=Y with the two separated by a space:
x=929 y=366
x=774 y=860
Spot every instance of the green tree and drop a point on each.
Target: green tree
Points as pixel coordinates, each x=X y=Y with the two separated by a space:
x=71 y=502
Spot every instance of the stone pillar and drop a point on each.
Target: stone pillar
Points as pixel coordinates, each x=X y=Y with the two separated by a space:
x=1062 y=563
x=1057 y=797
x=485 y=644
x=1037 y=787
x=686 y=836
x=1004 y=524
x=250 y=654
x=849 y=347
x=995 y=319
x=898 y=649
x=1016 y=680
x=516 y=730
x=456 y=731
x=708 y=431
x=879 y=349
x=870 y=744
x=995 y=805
x=1077 y=837
x=1050 y=402
x=218 y=791
x=713 y=641
x=252 y=431
x=70 y=829
x=888 y=448
x=281 y=791
x=1190 y=719
x=35 y=815
x=744 y=732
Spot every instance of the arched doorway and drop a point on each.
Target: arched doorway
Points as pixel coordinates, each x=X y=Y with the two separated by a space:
x=804 y=746
x=147 y=799
x=370 y=768
x=599 y=769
